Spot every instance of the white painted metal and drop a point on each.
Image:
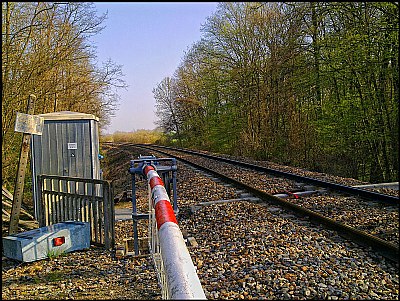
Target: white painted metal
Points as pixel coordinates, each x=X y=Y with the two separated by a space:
x=182 y=279
x=175 y=270
x=68 y=115
x=30 y=124
x=159 y=193
x=151 y=173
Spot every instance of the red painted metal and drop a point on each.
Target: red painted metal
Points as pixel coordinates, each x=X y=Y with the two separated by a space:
x=164 y=213
x=147 y=169
x=154 y=181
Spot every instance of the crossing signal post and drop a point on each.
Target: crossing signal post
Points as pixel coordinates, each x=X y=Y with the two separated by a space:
x=28 y=124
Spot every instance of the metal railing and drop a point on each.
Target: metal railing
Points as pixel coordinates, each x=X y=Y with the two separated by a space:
x=175 y=270
x=168 y=174
x=64 y=198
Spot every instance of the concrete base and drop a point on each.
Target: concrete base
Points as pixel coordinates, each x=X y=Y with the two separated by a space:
x=47 y=241
x=127 y=248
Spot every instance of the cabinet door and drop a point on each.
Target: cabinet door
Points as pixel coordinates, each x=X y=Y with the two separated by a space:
x=78 y=159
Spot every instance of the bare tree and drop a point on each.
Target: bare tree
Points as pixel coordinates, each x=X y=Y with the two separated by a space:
x=46 y=50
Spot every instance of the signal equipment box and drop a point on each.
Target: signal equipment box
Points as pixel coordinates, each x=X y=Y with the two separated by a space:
x=47 y=241
x=68 y=146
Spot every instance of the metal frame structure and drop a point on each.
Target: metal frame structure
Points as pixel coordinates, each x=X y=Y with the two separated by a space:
x=168 y=174
x=70 y=198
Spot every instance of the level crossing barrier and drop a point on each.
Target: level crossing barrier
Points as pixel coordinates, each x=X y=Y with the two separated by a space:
x=168 y=175
x=176 y=272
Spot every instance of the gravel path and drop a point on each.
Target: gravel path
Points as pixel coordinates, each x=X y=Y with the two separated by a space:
x=273 y=255
x=84 y=275
x=254 y=251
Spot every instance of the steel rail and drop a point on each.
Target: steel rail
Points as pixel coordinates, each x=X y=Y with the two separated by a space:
x=371 y=195
x=386 y=249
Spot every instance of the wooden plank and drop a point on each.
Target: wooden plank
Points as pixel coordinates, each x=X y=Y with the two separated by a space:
x=6 y=193
x=112 y=211
x=8 y=204
x=6 y=213
x=45 y=212
x=28 y=224
x=75 y=207
x=52 y=206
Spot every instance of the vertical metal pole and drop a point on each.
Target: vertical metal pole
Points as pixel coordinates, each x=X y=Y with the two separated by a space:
x=134 y=215
x=175 y=195
x=19 y=181
x=110 y=187
x=41 y=218
x=165 y=179
x=107 y=216
x=133 y=193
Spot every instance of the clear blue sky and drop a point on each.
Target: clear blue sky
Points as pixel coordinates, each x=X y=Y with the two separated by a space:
x=149 y=40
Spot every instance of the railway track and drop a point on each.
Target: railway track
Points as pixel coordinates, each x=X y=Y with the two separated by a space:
x=250 y=249
x=385 y=242
x=366 y=194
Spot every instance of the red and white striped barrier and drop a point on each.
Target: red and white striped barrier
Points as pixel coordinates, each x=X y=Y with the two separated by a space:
x=182 y=279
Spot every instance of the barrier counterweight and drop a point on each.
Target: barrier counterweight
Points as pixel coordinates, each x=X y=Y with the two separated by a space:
x=178 y=273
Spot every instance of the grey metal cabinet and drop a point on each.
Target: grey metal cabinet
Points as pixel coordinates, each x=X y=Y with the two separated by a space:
x=68 y=146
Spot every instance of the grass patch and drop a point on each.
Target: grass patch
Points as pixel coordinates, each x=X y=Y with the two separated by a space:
x=55 y=253
x=55 y=276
